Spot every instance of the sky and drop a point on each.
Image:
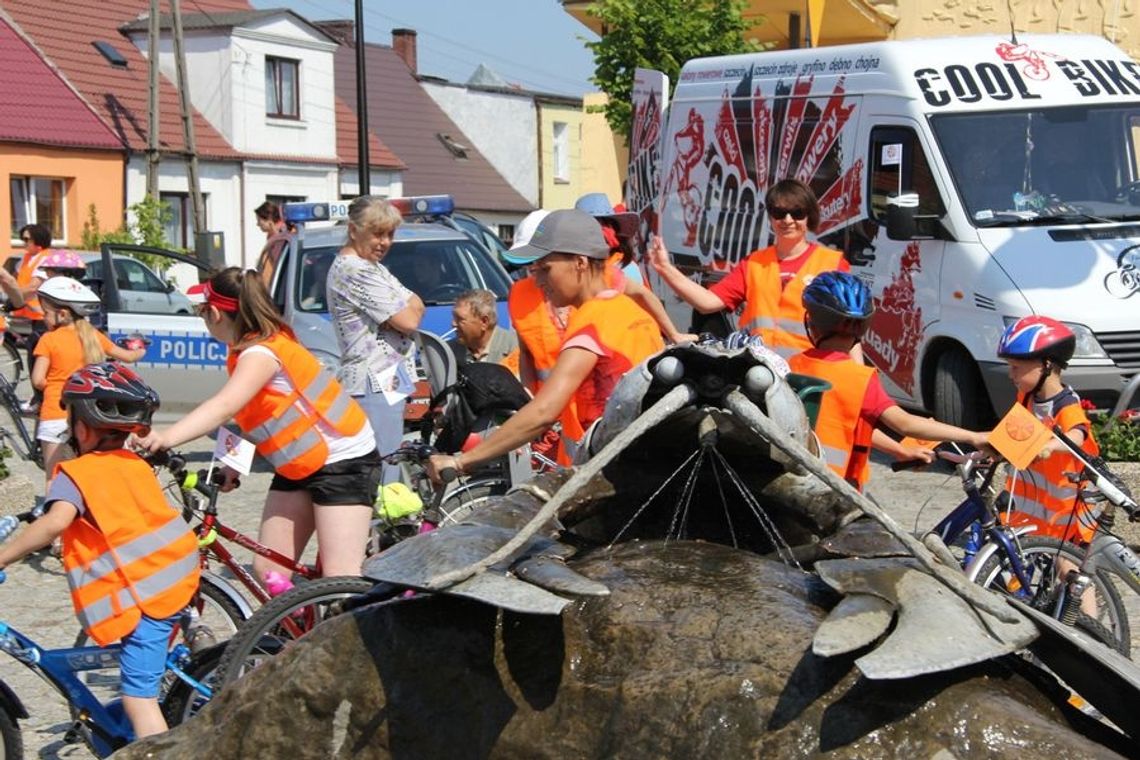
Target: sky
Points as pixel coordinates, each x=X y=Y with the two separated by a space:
x=532 y=43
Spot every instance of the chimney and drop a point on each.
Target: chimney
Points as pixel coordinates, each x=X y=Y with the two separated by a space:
x=404 y=43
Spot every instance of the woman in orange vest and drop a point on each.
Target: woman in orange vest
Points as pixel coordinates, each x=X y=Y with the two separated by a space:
x=606 y=336
x=316 y=437
x=36 y=239
x=770 y=282
x=130 y=559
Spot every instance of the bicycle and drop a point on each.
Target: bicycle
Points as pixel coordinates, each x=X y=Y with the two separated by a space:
x=988 y=544
x=15 y=434
x=100 y=724
x=294 y=614
x=1106 y=556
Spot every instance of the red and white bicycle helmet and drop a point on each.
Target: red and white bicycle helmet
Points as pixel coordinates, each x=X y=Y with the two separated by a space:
x=60 y=259
x=67 y=293
x=110 y=396
x=1036 y=337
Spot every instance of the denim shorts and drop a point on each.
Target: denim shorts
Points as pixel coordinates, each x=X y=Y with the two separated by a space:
x=349 y=481
x=144 y=656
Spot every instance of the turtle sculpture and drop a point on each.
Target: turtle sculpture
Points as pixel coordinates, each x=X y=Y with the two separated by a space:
x=727 y=425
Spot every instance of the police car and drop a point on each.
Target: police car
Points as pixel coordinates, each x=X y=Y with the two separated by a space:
x=430 y=254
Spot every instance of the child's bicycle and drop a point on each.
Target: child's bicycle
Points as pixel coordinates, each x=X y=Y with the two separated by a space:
x=100 y=724
x=14 y=429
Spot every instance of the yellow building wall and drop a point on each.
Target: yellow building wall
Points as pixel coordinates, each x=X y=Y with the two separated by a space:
x=556 y=192
x=1116 y=20
x=92 y=177
x=604 y=155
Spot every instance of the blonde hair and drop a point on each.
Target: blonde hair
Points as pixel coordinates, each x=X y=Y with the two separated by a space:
x=368 y=212
x=93 y=352
x=256 y=318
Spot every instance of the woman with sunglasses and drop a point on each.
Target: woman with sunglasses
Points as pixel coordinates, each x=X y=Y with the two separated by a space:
x=770 y=282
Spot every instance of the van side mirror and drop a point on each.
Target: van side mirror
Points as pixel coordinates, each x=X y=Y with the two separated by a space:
x=901 y=210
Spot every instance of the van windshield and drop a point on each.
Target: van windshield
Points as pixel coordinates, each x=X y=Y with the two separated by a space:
x=1075 y=164
x=435 y=270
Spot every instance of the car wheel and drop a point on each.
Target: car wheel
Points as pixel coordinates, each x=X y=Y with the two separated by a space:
x=960 y=397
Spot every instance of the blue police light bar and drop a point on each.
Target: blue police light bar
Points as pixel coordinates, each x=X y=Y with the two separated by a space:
x=435 y=205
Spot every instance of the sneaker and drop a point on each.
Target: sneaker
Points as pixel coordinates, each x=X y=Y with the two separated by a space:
x=29 y=408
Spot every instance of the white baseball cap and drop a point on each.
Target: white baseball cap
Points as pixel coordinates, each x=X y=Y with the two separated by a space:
x=525 y=231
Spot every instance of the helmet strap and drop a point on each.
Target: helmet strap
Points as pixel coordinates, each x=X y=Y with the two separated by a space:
x=1046 y=370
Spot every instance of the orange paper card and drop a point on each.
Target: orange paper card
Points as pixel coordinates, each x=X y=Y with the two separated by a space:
x=1020 y=437
x=919 y=443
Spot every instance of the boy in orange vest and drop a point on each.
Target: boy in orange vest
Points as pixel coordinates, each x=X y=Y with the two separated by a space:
x=837 y=308
x=131 y=560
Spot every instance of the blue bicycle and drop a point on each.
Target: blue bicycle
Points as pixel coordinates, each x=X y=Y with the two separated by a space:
x=1003 y=558
x=101 y=725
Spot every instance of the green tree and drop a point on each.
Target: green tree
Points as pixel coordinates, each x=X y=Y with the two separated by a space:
x=662 y=35
x=147 y=226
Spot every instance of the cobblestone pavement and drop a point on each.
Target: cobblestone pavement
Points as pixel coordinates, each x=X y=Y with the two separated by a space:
x=35 y=598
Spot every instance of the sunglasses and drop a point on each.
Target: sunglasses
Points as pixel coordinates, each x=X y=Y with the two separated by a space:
x=26 y=239
x=779 y=212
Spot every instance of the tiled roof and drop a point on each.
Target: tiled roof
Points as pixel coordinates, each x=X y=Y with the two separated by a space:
x=37 y=106
x=346 y=149
x=216 y=20
x=408 y=120
x=65 y=31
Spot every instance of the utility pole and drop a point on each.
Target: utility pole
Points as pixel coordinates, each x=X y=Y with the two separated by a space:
x=363 y=170
x=152 y=157
x=197 y=208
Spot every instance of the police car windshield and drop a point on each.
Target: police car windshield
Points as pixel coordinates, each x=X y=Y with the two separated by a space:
x=1052 y=165
x=436 y=270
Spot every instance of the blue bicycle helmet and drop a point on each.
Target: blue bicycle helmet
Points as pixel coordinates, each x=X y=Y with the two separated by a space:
x=838 y=303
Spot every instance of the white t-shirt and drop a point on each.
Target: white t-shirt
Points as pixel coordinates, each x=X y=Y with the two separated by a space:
x=341 y=447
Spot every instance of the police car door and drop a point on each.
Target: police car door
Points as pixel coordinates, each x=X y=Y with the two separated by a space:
x=183 y=363
x=904 y=272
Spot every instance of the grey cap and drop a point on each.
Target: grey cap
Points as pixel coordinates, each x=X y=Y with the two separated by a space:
x=563 y=231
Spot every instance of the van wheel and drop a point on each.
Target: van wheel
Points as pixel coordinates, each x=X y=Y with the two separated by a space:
x=960 y=397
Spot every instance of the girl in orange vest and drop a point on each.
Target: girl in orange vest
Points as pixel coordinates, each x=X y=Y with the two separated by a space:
x=838 y=307
x=130 y=559
x=315 y=435
x=70 y=343
x=606 y=336
x=770 y=282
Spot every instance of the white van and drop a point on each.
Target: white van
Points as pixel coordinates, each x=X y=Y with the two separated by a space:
x=969 y=181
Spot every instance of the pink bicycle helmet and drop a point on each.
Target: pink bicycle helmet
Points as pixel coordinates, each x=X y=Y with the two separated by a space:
x=60 y=259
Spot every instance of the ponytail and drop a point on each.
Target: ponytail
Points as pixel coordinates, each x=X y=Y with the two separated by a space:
x=256 y=318
x=93 y=352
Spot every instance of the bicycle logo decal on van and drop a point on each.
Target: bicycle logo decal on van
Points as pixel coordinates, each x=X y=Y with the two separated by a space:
x=1125 y=280
x=891 y=341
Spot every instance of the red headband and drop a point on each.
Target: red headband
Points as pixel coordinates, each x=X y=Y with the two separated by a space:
x=223 y=302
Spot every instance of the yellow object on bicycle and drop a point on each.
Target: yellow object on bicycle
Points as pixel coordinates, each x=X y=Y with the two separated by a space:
x=209 y=538
x=396 y=500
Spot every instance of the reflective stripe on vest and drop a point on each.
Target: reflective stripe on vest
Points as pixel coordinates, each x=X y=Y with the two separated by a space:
x=130 y=553
x=776 y=312
x=99 y=612
x=844 y=438
x=284 y=425
x=1044 y=497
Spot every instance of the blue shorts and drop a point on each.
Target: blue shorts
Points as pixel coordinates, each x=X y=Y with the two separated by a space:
x=144 y=656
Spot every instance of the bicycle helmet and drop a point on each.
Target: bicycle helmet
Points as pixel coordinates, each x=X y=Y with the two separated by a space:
x=1037 y=337
x=58 y=259
x=838 y=303
x=66 y=293
x=110 y=396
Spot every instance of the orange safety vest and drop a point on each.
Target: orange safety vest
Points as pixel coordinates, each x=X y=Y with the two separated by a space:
x=31 y=308
x=536 y=327
x=627 y=335
x=130 y=553
x=511 y=362
x=284 y=425
x=1044 y=498
x=777 y=314
x=844 y=435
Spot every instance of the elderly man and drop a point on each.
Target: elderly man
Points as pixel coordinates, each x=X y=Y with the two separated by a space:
x=478 y=337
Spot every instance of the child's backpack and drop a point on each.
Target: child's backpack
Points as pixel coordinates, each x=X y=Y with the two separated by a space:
x=482 y=391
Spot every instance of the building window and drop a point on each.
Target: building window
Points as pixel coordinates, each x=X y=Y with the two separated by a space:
x=899 y=165
x=561 y=151
x=178 y=225
x=281 y=78
x=38 y=200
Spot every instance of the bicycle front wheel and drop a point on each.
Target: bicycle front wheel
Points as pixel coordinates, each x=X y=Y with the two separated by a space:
x=468 y=497
x=284 y=620
x=14 y=427
x=11 y=363
x=183 y=701
x=1040 y=555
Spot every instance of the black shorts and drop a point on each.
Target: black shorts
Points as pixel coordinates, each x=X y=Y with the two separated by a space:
x=349 y=481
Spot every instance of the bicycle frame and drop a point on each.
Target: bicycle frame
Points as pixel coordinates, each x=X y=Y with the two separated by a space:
x=11 y=401
x=106 y=723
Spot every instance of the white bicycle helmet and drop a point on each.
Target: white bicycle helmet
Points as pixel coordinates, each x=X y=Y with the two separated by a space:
x=65 y=292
